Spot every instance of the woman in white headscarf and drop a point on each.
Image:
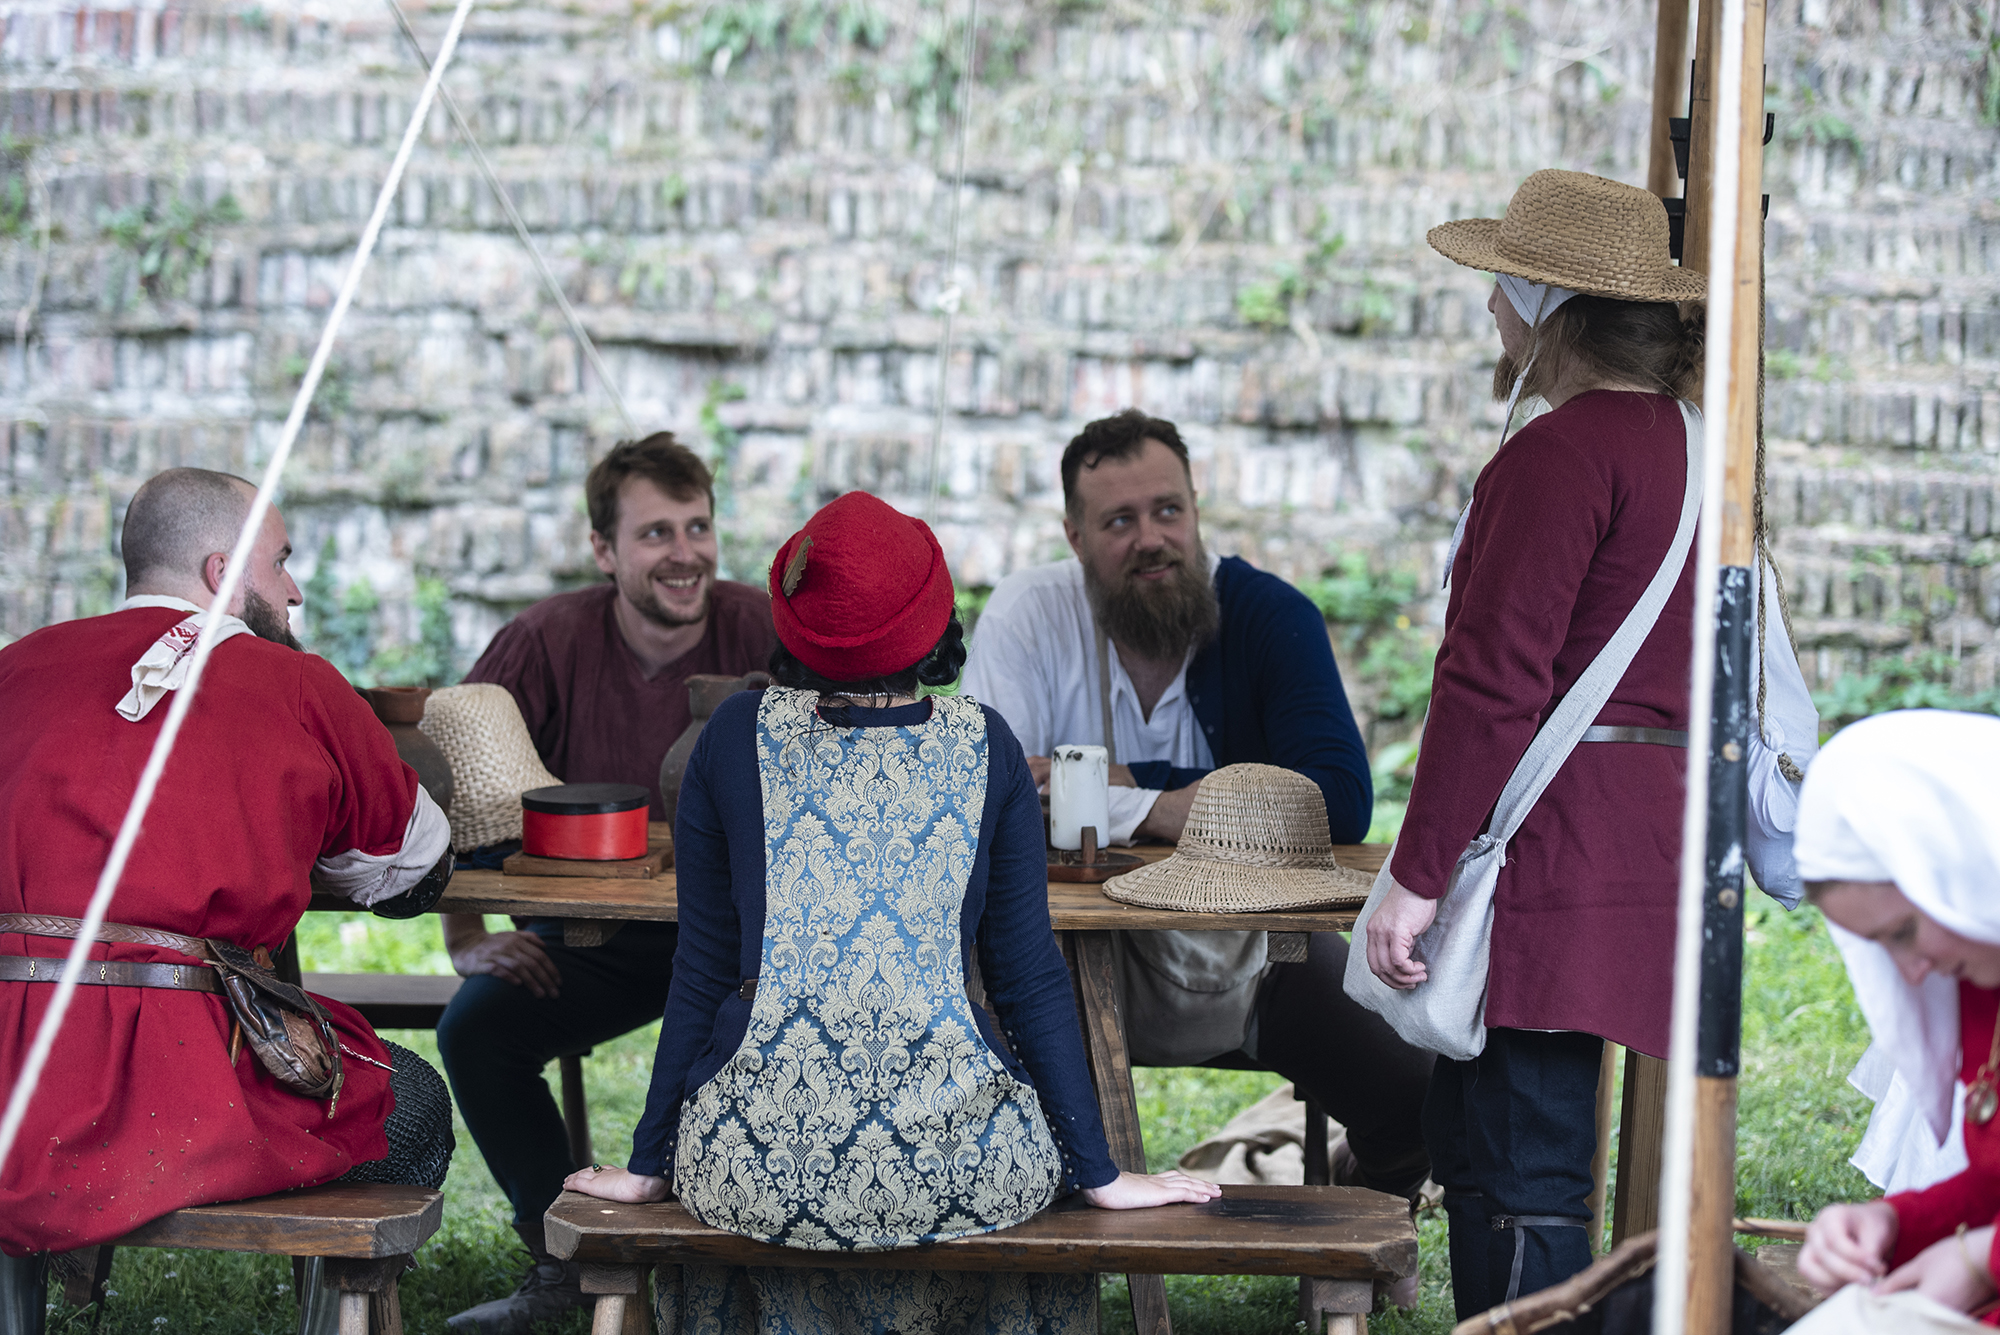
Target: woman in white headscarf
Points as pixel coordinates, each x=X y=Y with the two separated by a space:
x=1899 y=845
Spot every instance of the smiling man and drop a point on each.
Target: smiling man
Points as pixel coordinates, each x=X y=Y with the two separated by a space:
x=1202 y=663
x=601 y=677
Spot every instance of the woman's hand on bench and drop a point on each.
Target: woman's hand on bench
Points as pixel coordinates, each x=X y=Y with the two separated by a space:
x=616 y=1184
x=1142 y=1191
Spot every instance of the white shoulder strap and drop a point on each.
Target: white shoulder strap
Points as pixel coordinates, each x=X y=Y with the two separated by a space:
x=1566 y=726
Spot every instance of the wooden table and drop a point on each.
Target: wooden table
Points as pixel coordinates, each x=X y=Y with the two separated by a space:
x=592 y=909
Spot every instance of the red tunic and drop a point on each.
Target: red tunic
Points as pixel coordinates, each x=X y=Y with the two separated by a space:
x=595 y=715
x=1571 y=520
x=1973 y=1197
x=138 y=1111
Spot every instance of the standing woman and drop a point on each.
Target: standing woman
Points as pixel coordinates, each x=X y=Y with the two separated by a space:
x=844 y=842
x=1568 y=524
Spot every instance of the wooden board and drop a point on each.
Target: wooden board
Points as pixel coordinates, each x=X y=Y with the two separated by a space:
x=389 y=1000
x=1335 y=1232
x=1071 y=907
x=656 y=861
x=356 y=1219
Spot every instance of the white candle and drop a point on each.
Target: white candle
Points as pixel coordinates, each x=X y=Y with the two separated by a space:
x=1079 y=795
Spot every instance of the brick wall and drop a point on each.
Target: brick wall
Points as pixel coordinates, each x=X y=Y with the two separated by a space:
x=1215 y=212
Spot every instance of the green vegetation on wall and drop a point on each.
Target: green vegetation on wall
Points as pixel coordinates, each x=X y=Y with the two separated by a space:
x=172 y=243
x=343 y=624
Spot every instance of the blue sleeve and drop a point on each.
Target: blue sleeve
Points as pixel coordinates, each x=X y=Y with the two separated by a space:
x=707 y=961
x=1164 y=775
x=1301 y=709
x=1025 y=976
x=1270 y=684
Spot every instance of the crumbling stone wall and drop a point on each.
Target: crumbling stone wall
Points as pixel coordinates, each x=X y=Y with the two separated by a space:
x=1215 y=211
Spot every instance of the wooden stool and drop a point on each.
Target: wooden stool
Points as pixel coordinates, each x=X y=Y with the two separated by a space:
x=417 y=1001
x=1348 y=1241
x=362 y=1233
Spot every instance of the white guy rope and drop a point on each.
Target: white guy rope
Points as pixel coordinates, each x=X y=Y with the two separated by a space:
x=949 y=298
x=521 y=230
x=232 y=579
x=1670 y=1284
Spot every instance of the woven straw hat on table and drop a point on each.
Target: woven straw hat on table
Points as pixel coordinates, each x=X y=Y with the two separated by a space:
x=1570 y=229
x=493 y=761
x=1255 y=839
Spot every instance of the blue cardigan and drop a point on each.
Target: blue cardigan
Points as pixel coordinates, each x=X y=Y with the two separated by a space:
x=719 y=865
x=1265 y=690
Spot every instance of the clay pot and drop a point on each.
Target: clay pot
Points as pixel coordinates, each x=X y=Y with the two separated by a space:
x=401 y=708
x=706 y=691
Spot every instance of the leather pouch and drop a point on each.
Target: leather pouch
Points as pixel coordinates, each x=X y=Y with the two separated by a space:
x=289 y=1031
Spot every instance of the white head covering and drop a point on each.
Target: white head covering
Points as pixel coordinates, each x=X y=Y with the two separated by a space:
x=1911 y=797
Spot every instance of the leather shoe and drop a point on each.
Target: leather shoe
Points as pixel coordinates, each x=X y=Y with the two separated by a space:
x=550 y=1289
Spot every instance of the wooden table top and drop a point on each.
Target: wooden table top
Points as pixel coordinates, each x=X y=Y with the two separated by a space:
x=1072 y=906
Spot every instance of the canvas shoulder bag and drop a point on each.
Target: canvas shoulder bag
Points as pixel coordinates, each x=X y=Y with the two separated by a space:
x=1446 y=1014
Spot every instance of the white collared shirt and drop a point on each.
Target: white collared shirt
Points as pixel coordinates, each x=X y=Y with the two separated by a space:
x=1033 y=658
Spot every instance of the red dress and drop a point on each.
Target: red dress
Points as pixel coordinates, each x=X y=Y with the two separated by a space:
x=1972 y=1197
x=280 y=762
x=1570 y=523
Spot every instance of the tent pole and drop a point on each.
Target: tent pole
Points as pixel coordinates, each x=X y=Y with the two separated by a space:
x=1718 y=1036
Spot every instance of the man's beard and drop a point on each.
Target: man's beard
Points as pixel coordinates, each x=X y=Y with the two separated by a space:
x=646 y=603
x=1163 y=619
x=267 y=622
x=1505 y=372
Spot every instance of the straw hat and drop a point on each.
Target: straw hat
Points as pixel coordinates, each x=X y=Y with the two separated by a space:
x=1570 y=229
x=1255 y=839
x=493 y=761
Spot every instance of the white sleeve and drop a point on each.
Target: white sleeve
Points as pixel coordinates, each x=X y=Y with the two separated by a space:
x=1129 y=809
x=368 y=879
x=1003 y=670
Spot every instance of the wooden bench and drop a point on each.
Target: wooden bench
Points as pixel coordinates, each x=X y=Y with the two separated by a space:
x=1346 y=1241
x=417 y=1001
x=361 y=1233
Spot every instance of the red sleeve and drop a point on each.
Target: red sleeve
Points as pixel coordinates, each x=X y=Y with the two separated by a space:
x=518 y=659
x=1540 y=511
x=373 y=790
x=1922 y=1217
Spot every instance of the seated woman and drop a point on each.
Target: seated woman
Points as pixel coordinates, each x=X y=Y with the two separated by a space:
x=822 y=1081
x=1899 y=844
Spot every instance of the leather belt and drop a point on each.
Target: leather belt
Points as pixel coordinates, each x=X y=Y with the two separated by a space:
x=111 y=973
x=50 y=924
x=1654 y=736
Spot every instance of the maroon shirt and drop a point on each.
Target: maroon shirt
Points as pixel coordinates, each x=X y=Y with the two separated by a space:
x=594 y=714
x=1570 y=522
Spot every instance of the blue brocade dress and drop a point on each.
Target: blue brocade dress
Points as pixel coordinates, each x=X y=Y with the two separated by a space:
x=863 y=1107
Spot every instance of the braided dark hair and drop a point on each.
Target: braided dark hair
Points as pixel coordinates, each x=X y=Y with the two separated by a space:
x=940 y=667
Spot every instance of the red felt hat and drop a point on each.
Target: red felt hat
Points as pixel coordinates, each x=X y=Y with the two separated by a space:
x=861 y=591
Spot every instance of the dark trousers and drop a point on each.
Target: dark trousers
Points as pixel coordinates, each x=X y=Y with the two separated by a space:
x=1511 y=1135
x=495 y=1038
x=1350 y=1061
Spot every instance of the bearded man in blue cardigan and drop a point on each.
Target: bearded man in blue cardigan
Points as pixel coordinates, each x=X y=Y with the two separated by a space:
x=1204 y=662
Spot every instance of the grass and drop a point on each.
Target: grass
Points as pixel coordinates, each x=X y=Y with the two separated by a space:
x=1799 y=1122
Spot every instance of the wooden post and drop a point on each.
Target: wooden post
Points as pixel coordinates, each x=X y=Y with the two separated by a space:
x=1600 y=1162
x=1718 y=1046
x=1670 y=62
x=1642 y=1129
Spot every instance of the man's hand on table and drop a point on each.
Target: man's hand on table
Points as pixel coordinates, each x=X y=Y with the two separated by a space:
x=1163 y=823
x=1392 y=934
x=516 y=957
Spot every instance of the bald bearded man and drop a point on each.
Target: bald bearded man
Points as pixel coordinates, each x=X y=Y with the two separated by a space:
x=281 y=772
